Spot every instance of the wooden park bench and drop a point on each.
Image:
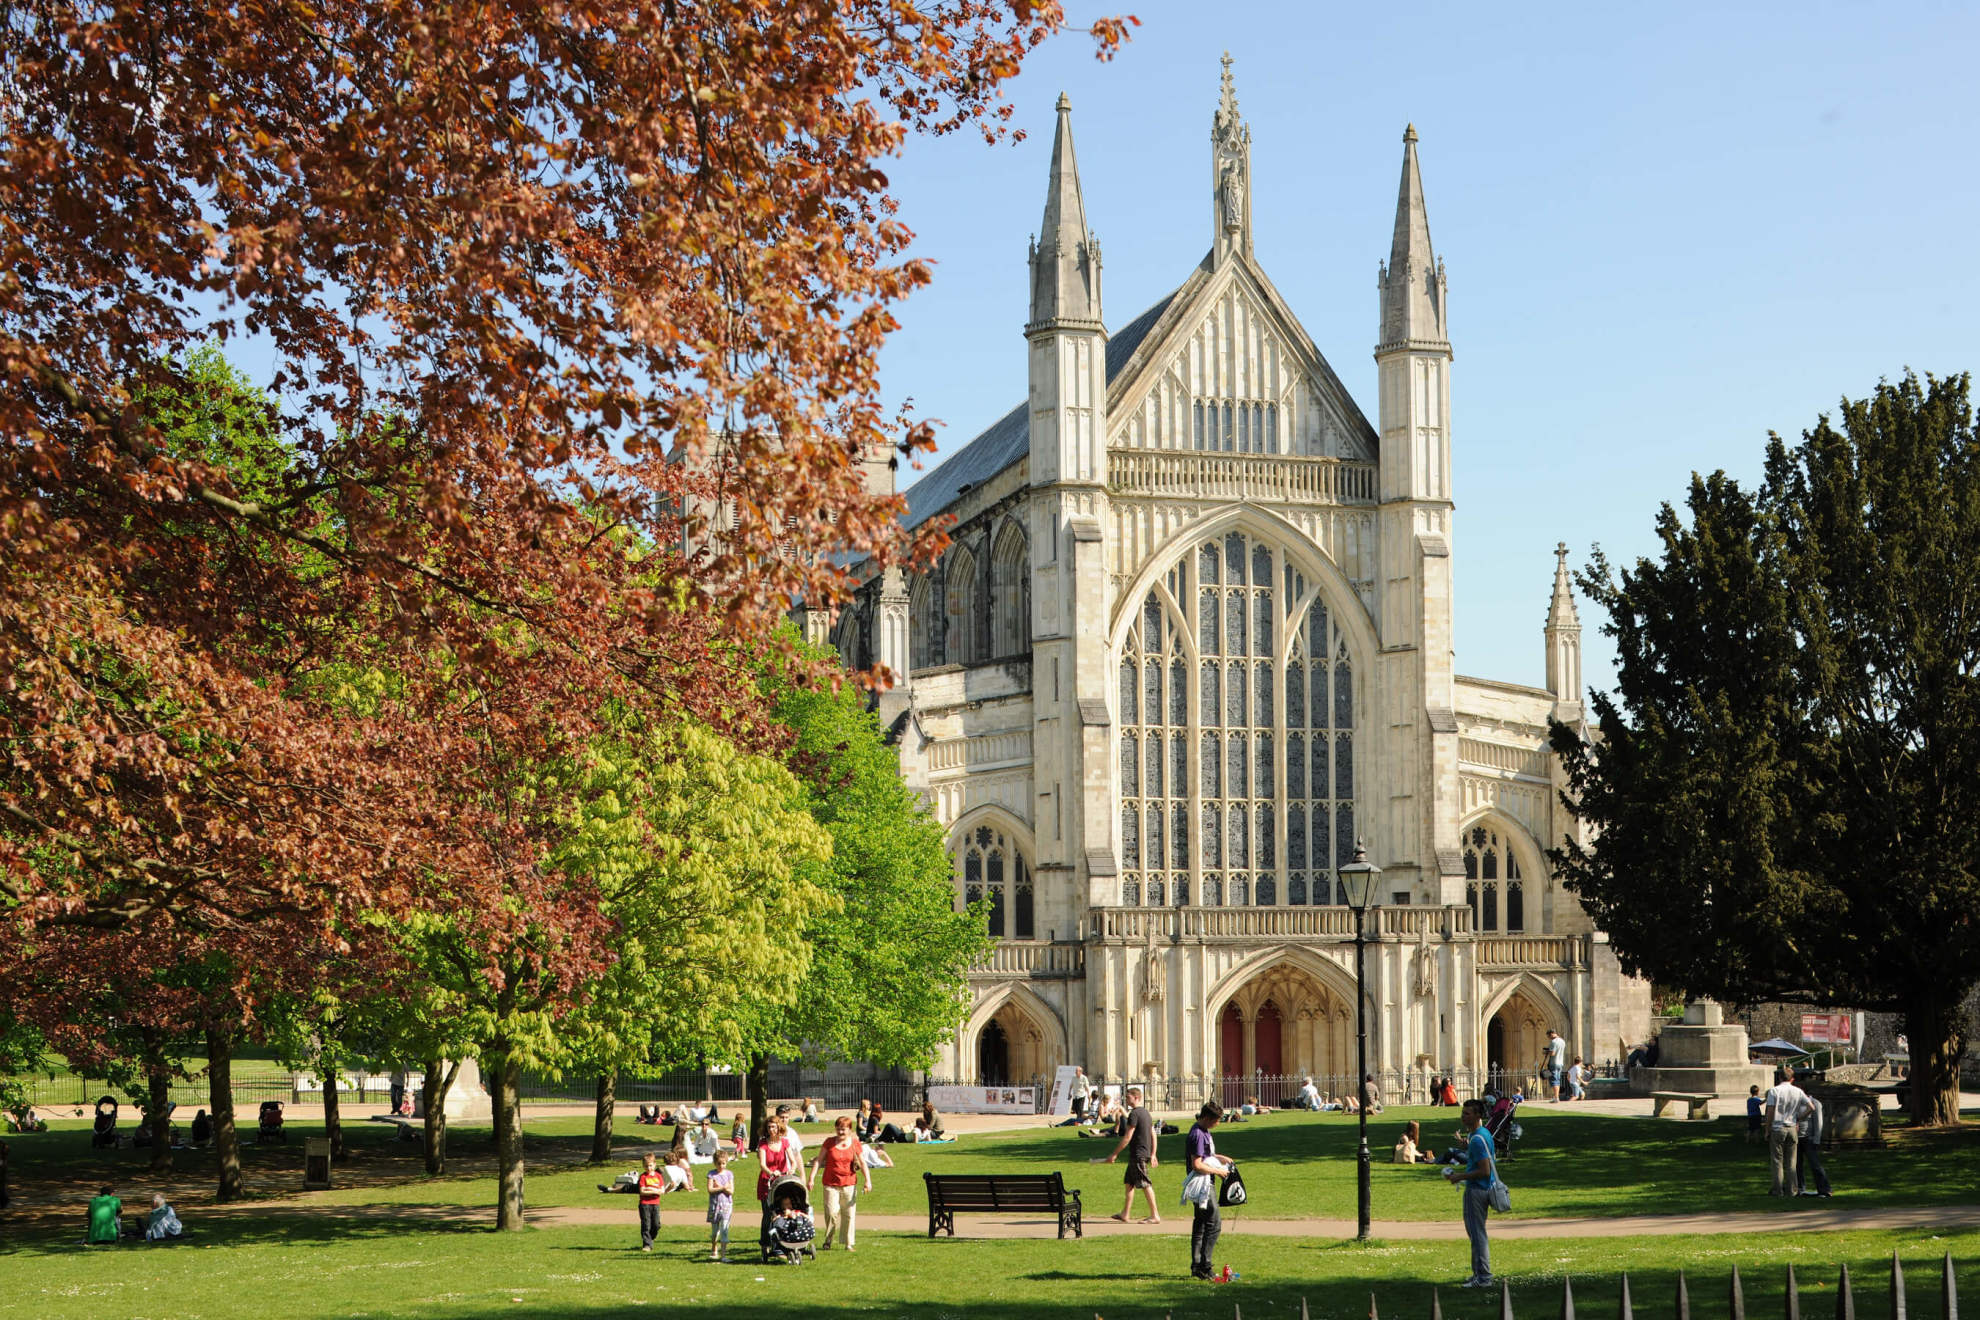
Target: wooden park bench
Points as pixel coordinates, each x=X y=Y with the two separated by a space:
x=1696 y=1105
x=950 y=1194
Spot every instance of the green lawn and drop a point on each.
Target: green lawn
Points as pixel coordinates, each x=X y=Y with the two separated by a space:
x=1297 y=1166
x=295 y=1265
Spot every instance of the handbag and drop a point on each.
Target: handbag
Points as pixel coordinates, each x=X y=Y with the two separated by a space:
x=1232 y=1192
x=1499 y=1195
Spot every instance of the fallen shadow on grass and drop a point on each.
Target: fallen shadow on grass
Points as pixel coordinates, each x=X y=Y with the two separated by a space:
x=285 y=1226
x=792 y=1294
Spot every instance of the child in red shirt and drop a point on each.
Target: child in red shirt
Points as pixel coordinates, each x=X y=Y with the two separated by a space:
x=651 y=1183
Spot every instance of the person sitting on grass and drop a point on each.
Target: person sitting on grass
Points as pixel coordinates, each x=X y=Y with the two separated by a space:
x=1409 y=1148
x=162 y=1224
x=1309 y=1095
x=105 y=1217
x=928 y=1127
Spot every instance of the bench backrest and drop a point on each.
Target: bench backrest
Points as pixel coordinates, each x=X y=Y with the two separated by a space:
x=996 y=1191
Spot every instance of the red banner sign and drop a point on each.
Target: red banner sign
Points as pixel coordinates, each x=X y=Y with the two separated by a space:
x=1825 y=1028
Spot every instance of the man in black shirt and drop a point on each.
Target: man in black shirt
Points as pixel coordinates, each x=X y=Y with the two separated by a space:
x=1139 y=1143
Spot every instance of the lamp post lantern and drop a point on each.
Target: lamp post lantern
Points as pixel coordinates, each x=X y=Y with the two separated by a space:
x=1358 y=879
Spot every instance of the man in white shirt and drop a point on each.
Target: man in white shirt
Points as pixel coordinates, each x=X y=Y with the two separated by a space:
x=1309 y=1095
x=1785 y=1107
x=1556 y=1063
x=1078 y=1091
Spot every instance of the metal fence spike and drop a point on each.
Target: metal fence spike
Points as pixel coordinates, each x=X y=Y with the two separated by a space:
x=1845 y=1296
x=1684 y=1299
x=1436 y=1307
x=1948 y=1293
x=1567 y=1298
x=1622 y=1308
x=1505 y=1300
x=1302 y=1308
x=1372 y=1313
x=1897 y=1288
x=1793 y=1297
x=1736 y=1297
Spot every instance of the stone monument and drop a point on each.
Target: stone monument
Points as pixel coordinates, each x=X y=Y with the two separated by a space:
x=467 y=1098
x=1704 y=1055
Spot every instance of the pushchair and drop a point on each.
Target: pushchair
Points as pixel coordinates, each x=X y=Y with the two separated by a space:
x=105 y=1133
x=270 y=1129
x=788 y=1232
x=1505 y=1129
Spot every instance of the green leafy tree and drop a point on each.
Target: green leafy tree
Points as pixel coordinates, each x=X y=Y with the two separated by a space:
x=696 y=859
x=888 y=961
x=1785 y=791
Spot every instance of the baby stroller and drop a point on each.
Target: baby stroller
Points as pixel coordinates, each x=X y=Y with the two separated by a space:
x=271 y=1124
x=105 y=1133
x=1505 y=1130
x=788 y=1233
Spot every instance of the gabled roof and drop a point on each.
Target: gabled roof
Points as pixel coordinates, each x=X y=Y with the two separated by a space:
x=1008 y=439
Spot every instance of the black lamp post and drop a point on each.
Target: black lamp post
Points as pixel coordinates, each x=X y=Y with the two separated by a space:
x=1358 y=879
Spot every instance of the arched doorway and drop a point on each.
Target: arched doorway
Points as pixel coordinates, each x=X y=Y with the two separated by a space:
x=993 y=1055
x=1281 y=1025
x=1015 y=1048
x=1515 y=1040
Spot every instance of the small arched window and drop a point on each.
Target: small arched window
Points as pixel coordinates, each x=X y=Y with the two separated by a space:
x=924 y=625
x=1493 y=884
x=993 y=869
x=964 y=627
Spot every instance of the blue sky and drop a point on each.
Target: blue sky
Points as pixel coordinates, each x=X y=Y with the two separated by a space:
x=1668 y=230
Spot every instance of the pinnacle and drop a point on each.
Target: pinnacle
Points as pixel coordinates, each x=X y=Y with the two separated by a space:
x=1409 y=133
x=1065 y=103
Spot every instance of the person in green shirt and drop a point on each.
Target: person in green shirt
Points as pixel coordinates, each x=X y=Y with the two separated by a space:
x=104 y=1213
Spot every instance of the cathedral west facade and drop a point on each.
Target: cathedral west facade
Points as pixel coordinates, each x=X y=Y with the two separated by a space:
x=1190 y=642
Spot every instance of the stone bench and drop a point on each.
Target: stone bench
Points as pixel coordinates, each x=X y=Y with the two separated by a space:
x=1696 y=1105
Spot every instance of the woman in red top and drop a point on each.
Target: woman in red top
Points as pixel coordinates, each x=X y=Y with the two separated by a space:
x=841 y=1160
x=776 y=1159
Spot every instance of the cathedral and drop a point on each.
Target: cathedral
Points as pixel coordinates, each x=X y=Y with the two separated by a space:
x=1189 y=646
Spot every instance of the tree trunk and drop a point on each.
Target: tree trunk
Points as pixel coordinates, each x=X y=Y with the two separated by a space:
x=436 y=1082
x=759 y=1097
x=1933 y=1031
x=508 y=1139
x=159 y=1084
x=333 y=1120
x=601 y=1122
x=220 y=1096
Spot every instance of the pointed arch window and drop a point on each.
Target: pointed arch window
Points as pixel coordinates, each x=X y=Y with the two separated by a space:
x=992 y=869
x=924 y=624
x=1493 y=885
x=964 y=624
x=1010 y=594
x=1236 y=729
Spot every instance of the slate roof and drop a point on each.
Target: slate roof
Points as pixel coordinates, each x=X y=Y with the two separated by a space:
x=1008 y=438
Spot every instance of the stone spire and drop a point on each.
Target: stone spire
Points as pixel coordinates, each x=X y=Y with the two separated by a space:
x=1564 y=642
x=1230 y=173
x=1412 y=281
x=1065 y=258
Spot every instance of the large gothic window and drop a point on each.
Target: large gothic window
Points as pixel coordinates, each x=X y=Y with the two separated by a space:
x=1010 y=594
x=924 y=625
x=1236 y=715
x=1493 y=885
x=992 y=868
x=964 y=622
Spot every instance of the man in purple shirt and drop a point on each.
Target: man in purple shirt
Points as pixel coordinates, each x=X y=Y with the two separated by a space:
x=1201 y=1169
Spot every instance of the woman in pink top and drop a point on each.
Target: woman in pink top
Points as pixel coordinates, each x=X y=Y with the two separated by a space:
x=841 y=1160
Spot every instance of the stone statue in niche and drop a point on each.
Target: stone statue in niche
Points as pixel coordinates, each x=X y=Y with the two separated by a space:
x=1227 y=188
x=1426 y=971
x=1154 y=976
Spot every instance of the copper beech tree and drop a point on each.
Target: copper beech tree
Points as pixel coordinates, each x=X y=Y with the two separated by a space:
x=527 y=278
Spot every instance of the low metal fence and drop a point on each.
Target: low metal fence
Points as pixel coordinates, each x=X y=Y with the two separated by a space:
x=1845 y=1297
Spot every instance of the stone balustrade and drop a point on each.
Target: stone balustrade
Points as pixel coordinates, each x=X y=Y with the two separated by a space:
x=1043 y=961
x=1130 y=925
x=1189 y=474
x=1498 y=952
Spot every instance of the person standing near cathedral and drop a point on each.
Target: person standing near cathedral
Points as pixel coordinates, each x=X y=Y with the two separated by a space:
x=1476 y=1178
x=1785 y=1107
x=1078 y=1091
x=1139 y=1143
x=1555 y=1064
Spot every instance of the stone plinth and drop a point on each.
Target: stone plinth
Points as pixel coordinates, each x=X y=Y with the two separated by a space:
x=1704 y=1055
x=467 y=1098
